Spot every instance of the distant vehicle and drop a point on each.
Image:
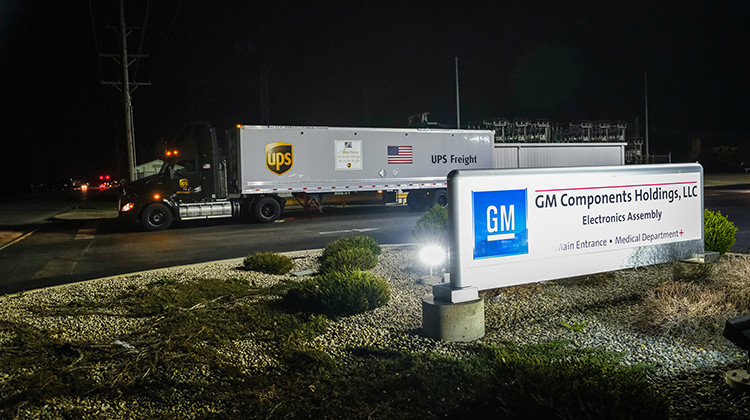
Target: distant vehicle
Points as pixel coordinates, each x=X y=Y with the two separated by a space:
x=106 y=182
x=254 y=170
x=80 y=185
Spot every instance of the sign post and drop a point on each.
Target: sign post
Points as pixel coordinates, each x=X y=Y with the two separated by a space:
x=518 y=226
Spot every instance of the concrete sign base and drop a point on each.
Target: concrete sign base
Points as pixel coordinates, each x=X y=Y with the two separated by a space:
x=453 y=321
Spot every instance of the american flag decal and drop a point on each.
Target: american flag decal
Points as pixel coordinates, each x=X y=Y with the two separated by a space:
x=400 y=155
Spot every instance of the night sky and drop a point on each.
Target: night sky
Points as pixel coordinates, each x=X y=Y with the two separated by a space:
x=358 y=64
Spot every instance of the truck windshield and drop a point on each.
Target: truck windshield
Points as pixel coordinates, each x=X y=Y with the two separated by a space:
x=178 y=167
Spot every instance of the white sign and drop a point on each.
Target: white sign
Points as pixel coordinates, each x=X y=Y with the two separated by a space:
x=348 y=155
x=523 y=225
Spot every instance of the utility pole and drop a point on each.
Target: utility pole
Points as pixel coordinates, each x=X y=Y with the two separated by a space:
x=458 y=106
x=126 y=94
x=124 y=59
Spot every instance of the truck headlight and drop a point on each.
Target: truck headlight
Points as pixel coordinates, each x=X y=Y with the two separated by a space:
x=127 y=207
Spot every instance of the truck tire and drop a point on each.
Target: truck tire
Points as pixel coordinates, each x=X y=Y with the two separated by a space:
x=439 y=197
x=266 y=209
x=156 y=217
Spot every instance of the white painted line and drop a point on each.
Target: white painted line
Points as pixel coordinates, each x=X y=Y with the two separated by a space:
x=333 y=232
x=87 y=233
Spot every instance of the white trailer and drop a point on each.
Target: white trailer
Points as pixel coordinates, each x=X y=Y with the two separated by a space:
x=257 y=168
x=314 y=162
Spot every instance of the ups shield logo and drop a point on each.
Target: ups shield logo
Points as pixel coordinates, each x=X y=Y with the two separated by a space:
x=184 y=183
x=279 y=157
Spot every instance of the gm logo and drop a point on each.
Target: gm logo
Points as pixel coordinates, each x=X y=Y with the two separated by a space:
x=500 y=223
x=279 y=157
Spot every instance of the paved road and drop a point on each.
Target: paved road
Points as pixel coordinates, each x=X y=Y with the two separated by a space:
x=734 y=203
x=79 y=248
x=23 y=216
x=64 y=251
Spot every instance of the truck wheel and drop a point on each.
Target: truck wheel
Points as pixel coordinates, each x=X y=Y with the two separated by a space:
x=266 y=210
x=439 y=197
x=416 y=200
x=156 y=217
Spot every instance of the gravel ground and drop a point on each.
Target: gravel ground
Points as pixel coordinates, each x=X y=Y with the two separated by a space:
x=692 y=374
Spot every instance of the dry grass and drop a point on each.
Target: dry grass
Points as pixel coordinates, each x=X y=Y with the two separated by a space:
x=695 y=303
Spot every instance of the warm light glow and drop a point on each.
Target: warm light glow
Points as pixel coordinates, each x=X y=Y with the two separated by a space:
x=127 y=207
x=157 y=197
x=239 y=125
x=84 y=187
x=175 y=152
x=169 y=153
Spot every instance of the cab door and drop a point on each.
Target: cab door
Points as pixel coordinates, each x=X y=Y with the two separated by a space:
x=185 y=181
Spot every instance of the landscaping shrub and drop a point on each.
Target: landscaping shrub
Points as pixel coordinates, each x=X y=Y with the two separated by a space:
x=345 y=292
x=719 y=232
x=688 y=311
x=268 y=262
x=351 y=242
x=354 y=258
x=432 y=226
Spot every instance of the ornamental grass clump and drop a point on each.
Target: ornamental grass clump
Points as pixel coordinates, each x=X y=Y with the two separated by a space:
x=718 y=231
x=365 y=242
x=268 y=262
x=344 y=292
x=354 y=258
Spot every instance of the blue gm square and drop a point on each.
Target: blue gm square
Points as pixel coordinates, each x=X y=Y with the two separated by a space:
x=500 y=223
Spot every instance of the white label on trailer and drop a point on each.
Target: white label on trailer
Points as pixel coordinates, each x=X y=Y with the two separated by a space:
x=348 y=155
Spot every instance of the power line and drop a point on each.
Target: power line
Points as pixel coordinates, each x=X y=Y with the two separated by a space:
x=143 y=38
x=96 y=42
x=166 y=39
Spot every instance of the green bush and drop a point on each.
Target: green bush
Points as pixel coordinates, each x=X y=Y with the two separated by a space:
x=353 y=258
x=719 y=232
x=351 y=242
x=432 y=225
x=268 y=262
x=345 y=292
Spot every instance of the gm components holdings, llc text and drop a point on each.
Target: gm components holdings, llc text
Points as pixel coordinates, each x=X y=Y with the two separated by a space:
x=634 y=227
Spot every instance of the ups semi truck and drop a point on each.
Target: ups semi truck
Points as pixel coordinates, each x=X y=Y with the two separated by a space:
x=254 y=170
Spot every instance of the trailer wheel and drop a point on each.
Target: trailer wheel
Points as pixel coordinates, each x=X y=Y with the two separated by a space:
x=439 y=197
x=156 y=217
x=266 y=210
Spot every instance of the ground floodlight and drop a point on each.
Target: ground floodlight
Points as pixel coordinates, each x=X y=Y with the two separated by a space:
x=432 y=256
x=737 y=330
